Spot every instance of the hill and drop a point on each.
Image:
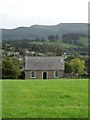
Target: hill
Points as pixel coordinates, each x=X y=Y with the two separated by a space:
x=42 y=31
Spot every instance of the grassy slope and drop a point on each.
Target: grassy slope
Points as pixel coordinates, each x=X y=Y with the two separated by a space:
x=59 y=43
x=45 y=99
x=83 y=40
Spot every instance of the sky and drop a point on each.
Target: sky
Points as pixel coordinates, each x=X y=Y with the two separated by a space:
x=17 y=13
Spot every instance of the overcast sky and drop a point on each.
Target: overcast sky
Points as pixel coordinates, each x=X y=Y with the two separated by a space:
x=16 y=13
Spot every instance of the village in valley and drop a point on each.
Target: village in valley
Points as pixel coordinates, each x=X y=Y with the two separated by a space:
x=44 y=59
x=70 y=47
x=45 y=77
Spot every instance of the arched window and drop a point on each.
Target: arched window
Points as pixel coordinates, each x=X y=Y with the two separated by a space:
x=33 y=74
x=56 y=74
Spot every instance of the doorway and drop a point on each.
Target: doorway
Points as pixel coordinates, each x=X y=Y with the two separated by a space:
x=44 y=75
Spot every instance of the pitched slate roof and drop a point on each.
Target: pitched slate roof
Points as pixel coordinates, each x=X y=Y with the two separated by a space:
x=44 y=63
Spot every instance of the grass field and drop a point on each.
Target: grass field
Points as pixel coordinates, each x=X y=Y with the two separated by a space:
x=62 y=44
x=84 y=40
x=45 y=98
x=59 y=43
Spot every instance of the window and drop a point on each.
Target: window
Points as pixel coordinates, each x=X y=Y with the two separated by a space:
x=56 y=74
x=33 y=75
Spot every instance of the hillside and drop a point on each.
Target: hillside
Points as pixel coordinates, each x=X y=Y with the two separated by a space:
x=42 y=31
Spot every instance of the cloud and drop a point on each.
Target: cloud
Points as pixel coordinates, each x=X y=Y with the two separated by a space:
x=21 y=12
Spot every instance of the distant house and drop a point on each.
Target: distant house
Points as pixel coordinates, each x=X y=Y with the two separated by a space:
x=44 y=67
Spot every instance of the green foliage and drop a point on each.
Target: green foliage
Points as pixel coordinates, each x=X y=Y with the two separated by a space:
x=22 y=74
x=69 y=38
x=51 y=38
x=56 y=37
x=77 y=66
x=78 y=48
x=62 y=98
x=67 y=67
x=84 y=41
x=70 y=58
x=10 y=67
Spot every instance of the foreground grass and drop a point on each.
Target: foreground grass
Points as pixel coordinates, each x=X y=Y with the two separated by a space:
x=0 y=99
x=45 y=98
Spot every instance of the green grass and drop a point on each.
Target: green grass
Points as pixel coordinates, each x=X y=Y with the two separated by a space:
x=45 y=98
x=84 y=40
x=0 y=99
x=60 y=43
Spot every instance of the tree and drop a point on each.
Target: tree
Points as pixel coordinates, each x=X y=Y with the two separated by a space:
x=70 y=38
x=56 y=37
x=67 y=67
x=77 y=66
x=10 y=68
x=51 y=38
x=22 y=74
x=58 y=51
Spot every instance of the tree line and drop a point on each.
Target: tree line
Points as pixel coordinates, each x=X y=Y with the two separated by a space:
x=11 y=67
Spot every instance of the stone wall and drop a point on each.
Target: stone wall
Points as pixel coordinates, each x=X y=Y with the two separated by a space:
x=39 y=74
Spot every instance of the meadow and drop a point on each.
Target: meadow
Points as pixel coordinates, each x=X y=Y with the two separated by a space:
x=64 y=98
x=59 y=43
